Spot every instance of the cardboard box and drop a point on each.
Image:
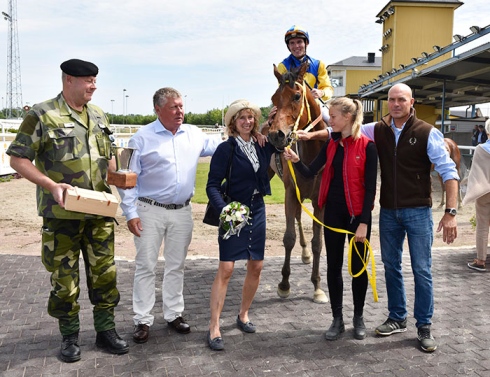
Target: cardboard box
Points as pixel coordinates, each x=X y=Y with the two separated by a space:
x=89 y=201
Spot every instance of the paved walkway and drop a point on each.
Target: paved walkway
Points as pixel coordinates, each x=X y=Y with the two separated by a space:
x=290 y=338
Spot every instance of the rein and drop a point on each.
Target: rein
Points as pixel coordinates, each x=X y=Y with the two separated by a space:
x=292 y=138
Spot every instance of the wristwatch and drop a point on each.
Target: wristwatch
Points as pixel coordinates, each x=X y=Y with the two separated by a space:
x=451 y=211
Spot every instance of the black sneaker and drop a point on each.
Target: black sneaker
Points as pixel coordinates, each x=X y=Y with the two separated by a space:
x=476 y=266
x=70 y=350
x=426 y=340
x=112 y=342
x=390 y=326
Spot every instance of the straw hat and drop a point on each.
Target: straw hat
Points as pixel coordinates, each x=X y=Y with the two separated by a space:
x=238 y=105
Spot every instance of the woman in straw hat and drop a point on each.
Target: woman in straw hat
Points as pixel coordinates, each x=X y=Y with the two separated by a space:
x=247 y=185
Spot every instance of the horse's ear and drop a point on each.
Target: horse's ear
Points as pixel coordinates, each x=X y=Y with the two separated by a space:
x=302 y=71
x=277 y=74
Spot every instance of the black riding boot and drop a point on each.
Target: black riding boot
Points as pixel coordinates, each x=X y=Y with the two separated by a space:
x=359 y=327
x=336 y=328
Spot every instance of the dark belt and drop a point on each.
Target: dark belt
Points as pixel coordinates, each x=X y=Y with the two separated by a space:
x=166 y=206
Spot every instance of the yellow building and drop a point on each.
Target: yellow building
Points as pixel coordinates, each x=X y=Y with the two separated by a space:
x=347 y=75
x=412 y=28
x=412 y=31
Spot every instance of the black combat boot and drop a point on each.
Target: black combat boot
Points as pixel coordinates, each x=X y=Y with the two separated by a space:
x=70 y=350
x=112 y=342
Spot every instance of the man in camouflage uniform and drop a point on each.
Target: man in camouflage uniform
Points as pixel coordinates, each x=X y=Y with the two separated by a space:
x=69 y=141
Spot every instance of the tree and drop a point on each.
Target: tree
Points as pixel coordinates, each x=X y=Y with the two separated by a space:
x=210 y=118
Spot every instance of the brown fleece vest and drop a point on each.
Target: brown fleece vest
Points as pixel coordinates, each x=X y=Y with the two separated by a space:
x=405 y=168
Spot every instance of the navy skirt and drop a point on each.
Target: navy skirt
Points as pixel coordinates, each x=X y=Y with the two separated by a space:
x=250 y=244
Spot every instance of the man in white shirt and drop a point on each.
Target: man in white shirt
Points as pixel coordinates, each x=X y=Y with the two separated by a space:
x=157 y=209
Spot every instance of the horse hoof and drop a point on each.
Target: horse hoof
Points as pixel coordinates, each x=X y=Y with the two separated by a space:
x=319 y=297
x=283 y=294
x=306 y=258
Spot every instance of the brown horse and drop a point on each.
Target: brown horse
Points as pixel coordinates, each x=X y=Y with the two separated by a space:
x=296 y=109
x=455 y=154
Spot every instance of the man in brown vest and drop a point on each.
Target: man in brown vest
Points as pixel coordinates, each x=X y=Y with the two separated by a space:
x=407 y=147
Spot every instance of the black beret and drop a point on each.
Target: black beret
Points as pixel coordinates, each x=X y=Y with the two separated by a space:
x=78 y=68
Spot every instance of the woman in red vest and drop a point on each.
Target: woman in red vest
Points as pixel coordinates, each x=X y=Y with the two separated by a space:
x=347 y=191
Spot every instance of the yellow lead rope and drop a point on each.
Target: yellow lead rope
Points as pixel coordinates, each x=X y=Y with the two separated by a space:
x=368 y=251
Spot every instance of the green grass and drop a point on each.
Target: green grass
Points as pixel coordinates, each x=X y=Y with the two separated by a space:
x=200 y=196
x=6 y=178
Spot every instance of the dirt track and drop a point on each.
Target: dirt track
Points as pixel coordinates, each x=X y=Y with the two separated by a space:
x=20 y=226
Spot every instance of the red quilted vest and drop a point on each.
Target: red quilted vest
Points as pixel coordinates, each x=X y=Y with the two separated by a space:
x=353 y=171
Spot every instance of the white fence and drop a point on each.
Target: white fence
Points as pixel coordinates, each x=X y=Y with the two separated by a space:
x=5 y=140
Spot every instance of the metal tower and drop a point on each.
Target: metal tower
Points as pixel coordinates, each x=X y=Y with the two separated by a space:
x=14 y=88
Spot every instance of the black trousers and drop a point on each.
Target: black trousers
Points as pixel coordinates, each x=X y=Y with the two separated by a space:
x=337 y=216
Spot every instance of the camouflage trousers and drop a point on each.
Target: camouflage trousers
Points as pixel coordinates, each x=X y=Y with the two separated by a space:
x=62 y=241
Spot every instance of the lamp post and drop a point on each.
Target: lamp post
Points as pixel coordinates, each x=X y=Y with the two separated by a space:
x=112 y=111
x=185 y=104
x=127 y=104
x=124 y=96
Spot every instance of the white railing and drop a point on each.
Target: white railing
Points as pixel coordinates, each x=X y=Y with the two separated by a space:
x=470 y=148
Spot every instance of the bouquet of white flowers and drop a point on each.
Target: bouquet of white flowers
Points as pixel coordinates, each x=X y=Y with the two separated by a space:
x=233 y=218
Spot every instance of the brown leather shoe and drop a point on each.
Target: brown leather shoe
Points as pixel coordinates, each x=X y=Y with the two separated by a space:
x=141 y=333
x=180 y=325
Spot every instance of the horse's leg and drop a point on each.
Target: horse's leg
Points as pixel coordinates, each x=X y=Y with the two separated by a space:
x=460 y=202
x=305 y=252
x=283 y=289
x=319 y=295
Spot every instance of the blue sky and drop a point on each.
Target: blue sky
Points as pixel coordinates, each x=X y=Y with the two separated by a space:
x=212 y=51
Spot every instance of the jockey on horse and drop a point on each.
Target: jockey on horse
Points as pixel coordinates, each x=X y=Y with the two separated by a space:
x=297 y=40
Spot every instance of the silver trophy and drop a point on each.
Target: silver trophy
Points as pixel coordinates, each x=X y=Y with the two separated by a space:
x=123 y=158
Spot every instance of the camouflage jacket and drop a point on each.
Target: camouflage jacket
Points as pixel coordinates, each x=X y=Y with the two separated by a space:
x=65 y=149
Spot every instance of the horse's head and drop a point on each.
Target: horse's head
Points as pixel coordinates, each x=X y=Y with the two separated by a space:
x=296 y=107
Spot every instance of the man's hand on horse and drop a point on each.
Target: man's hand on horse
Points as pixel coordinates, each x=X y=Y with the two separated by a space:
x=303 y=135
x=313 y=135
x=272 y=114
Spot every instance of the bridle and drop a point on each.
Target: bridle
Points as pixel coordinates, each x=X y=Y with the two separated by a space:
x=292 y=137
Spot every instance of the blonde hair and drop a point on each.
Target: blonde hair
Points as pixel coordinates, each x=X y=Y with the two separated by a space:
x=353 y=107
x=487 y=126
x=231 y=130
